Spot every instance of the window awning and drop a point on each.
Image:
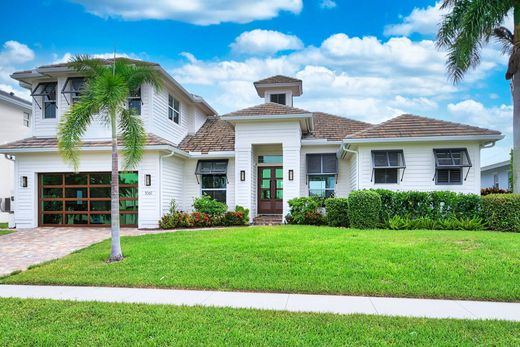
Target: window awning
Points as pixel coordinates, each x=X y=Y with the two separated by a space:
x=392 y=159
x=322 y=164
x=74 y=86
x=451 y=158
x=211 y=167
x=45 y=90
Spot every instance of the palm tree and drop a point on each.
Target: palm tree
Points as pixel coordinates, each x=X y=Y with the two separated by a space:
x=104 y=95
x=465 y=29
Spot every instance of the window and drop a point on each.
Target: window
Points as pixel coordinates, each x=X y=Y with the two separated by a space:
x=386 y=165
x=278 y=98
x=449 y=165
x=74 y=87
x=213 y=175
x=321 y=174
x=47 y=91
x=27 y=119
x=134 y=101
x=496 y=184
x=270 y=159
x=174 y=109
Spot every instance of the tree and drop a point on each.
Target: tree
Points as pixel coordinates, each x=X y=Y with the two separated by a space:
x=469 y=25
x=104 y=95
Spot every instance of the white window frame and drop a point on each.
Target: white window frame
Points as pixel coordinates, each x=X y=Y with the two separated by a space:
x=172 y=112
x=27 y=119
x=203 y=190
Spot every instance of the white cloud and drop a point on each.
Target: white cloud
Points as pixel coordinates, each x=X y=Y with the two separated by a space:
x=68 y=56
x=420 y=20
x=328 y=4
x=200 y=12
x=260 y=41
x=12 y=55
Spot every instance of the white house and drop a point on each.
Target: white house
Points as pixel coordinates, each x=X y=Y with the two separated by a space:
x=259 y=157
x=15 y=124
x=495 y=175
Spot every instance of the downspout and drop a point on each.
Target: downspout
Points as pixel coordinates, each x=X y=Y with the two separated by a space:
x=488 y=145
x=344 y=148
x=10 y=157
x=160 y=174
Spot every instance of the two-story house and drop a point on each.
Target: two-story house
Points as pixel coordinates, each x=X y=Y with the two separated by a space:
x=258 y=157
x=15 y=124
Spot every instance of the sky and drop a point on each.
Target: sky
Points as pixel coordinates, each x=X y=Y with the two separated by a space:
x=369 y=60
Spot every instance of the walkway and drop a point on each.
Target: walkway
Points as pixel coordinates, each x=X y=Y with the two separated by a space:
x=272 y=301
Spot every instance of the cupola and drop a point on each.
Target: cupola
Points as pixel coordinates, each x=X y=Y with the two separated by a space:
x=279 y=89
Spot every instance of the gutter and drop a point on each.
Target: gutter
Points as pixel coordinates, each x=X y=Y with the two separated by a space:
x=427 y=139
x=268 y=117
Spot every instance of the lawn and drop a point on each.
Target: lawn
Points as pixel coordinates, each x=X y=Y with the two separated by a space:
x=4 y=230
x=64 y=323
x=303 y=259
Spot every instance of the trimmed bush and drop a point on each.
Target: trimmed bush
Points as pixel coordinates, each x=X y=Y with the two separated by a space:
x=245 y=213
x=233 y=218
x=493 y=190
x=337 y=212
x=502 y=211
x=206 y=204
x=201 y=220
x=364 y=209
x=301 y=207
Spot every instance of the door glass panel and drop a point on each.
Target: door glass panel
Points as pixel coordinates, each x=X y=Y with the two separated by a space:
x=99 y=219
x=103 y=178
x=265 y=194
x=52 y=180
x=128 y=178
x=279 y=194
x=100 y=192
x=52 y=219
x=127 y=192
x=128 y=205
x=128 y=219
x=76 y=205
x=100 y=205
x=78 y=193
x=279 y=184
x=266 y=173
x=266 y=184
x=76 y=180
x=76 y=219
x=52 y=193
x=279 y=173
x=52 y=205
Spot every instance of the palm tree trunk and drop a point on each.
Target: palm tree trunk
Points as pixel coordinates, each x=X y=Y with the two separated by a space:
x=516 y=110
x=116 y=254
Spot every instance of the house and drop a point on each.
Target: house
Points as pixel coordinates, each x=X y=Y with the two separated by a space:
x=258 y=157
x=495 y=175
x=15 y=124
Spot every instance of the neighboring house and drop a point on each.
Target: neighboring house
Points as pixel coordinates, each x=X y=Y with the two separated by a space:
x=259 y=157
x=15 y=123
x=495 y=175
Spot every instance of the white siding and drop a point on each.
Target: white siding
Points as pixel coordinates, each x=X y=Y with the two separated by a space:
x=420 y=167
x=488 y=178
x=172 y=177
x=26 y=208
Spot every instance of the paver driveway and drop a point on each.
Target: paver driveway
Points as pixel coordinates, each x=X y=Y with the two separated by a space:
x=27 y=247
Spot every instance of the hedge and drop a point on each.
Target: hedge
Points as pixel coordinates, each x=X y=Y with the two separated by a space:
x=305 y=210
x=502 y=211
x=364 y=209
x=337 y=212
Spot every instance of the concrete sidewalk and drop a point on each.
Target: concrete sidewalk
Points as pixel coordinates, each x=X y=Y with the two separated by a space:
x=272 y=301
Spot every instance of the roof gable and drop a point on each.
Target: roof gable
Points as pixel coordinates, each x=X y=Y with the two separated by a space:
x=278 y=79
x=267 y=109
x=215 y=135
x=334 y=128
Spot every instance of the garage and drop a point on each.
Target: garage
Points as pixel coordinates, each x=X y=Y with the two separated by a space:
x=83 y=199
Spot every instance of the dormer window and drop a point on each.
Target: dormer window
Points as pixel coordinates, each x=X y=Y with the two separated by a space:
x=134 y=101
x=279 y=99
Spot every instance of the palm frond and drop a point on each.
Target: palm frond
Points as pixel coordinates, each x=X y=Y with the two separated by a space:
x=87 y=65
x=504 y=37
x=133 y=136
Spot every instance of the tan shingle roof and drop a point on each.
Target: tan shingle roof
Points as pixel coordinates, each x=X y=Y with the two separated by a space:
x=334 y=128
x=214 y=135
x=278 y=79
x=38 y=142
x=267 y=109
x=408 y=125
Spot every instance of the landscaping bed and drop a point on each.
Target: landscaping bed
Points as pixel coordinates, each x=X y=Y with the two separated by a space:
x=64 y=323
x=303 y=259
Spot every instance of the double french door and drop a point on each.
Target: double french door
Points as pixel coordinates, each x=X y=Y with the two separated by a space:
x=270 y=190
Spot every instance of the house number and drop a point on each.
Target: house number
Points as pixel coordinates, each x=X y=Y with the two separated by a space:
x=148 y=192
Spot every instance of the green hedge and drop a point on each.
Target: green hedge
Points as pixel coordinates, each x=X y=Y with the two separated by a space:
x=337 y=212
x=502 y=211
x=305 y=210
x=364 y=209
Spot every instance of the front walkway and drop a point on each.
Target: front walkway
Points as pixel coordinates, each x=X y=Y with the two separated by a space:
x=272 y=301
x=27 y=247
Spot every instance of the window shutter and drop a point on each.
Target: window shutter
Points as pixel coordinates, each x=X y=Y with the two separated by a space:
x=314 y=164
x=330 y=164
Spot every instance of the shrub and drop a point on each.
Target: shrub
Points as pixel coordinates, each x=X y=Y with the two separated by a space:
x=313 y=218
x=337 y=212
x=206 y=204
x=493 y=190
x=452 y=223
x=364 y=209
x=299 y=207
x=502 y=211
x=233 y=218
x=201 y=220
x=245 y=213
x=168 y=222
x=176 y=220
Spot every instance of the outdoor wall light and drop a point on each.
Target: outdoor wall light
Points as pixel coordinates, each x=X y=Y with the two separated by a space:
x=23 y=182
x=242 y=175
x=148 y=180
x=291 y=175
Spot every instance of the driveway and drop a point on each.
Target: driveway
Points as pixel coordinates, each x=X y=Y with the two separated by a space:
x=27 y=247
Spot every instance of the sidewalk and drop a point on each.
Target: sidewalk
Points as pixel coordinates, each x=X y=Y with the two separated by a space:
x=272 y=301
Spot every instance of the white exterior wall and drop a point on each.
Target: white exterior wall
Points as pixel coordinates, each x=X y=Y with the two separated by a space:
x=343 y=181
x=11 y=129
x=171 y=181
x=488 y=178
x=26 y=201
x=420 y=167
x=249 y=134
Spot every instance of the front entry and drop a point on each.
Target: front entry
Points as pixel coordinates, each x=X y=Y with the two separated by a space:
x=270 y=190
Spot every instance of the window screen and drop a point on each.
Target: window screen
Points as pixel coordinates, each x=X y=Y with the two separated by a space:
x=211 y=167
x=386 y=165
x=449 y=165
x=278 y=98
x=319 y=164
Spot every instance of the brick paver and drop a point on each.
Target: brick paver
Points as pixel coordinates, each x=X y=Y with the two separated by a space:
x=27 y=247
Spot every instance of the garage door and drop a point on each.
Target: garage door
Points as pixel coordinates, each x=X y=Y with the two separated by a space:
x=83 y=199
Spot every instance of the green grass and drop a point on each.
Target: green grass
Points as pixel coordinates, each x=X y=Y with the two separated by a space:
x=4 y=230
x=65 y=323
x=435 y=264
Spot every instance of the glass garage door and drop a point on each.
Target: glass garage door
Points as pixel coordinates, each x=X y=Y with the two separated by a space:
x=83 y=199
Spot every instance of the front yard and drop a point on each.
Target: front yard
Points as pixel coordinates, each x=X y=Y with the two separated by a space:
x=303 y=259
x=64 y=323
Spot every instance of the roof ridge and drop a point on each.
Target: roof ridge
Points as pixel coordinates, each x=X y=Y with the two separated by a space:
x=269 y=104
x=337 y=116
x=374 y=126
x=442 y=120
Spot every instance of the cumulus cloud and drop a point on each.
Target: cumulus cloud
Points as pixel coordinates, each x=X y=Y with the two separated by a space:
x=327 y=4
x=200 y=12
x=421 y=20
x=260 y=41
x=12 y=55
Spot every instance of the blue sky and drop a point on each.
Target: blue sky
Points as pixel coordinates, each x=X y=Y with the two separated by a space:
x=365 y=60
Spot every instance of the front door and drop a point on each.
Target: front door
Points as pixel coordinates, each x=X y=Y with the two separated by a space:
x=270 y=190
